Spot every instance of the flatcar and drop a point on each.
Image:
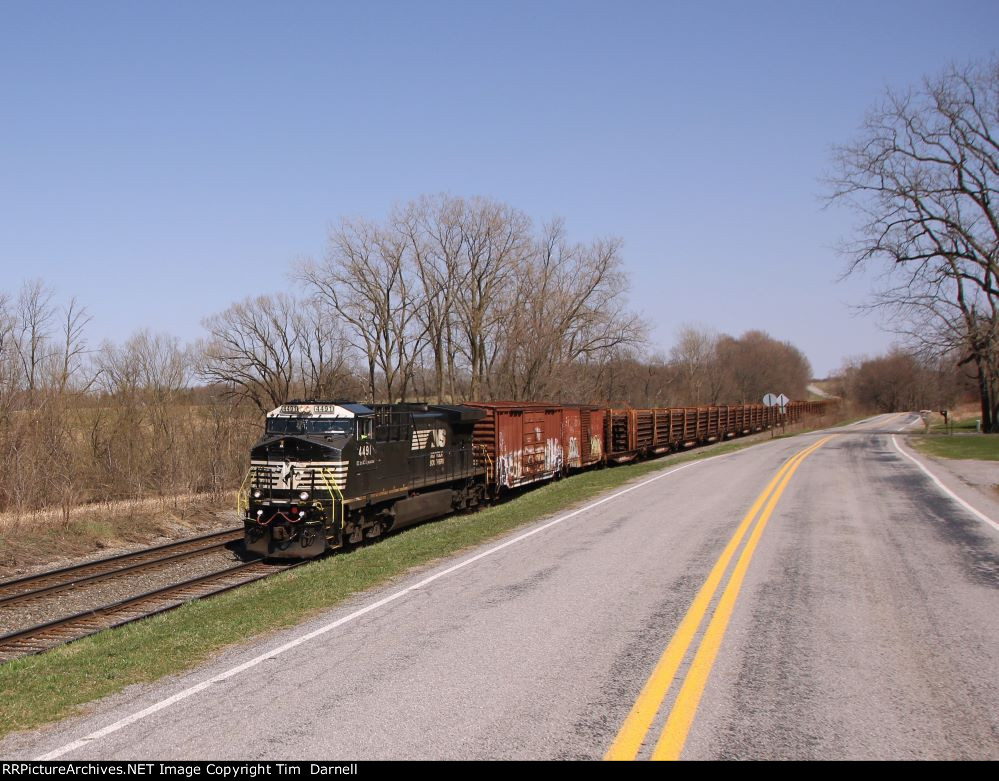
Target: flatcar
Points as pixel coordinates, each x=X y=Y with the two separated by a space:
x=328 y=473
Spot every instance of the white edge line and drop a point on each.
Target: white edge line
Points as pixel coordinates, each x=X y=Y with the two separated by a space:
x=191 y=691
x=980 y=515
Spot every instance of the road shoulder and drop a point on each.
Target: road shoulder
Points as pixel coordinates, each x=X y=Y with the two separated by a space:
x=973 y=481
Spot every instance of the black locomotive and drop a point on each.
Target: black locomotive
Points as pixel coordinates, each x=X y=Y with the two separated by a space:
x=329 y=472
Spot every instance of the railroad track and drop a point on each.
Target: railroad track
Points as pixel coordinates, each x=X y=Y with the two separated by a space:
x=52 y=581
x=39 y=638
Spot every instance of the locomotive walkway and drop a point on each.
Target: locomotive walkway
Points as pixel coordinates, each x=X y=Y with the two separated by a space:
x=810 y=597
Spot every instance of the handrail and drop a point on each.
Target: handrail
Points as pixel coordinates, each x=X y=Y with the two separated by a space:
x=489 y=462
x=334 y=491
x=240 y=504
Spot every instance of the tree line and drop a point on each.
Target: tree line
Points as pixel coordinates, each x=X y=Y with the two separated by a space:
x=447 y=299
x=903 y=380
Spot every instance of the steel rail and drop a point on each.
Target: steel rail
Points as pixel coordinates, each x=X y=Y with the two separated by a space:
x=50 y=634
x=51 y=581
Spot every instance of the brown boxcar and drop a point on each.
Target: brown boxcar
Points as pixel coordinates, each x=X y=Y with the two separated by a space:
x=524 y=442
x=582 y=435
x=519 y=442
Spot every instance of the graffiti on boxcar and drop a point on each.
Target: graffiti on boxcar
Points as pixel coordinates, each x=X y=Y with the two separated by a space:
x=553 y=455
x=573 y=451
x=508 y=469
x=595 y=446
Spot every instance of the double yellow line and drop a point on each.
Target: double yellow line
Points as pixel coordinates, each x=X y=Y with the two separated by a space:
x=670 y=744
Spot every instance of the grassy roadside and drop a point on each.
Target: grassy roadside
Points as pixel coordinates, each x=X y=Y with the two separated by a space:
x=983 y=447
x=965 y=425
x=39 y=689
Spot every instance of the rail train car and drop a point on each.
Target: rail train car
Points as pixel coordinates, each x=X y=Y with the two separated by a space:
x=328 y=473
x=642 y=433
x=524 y=442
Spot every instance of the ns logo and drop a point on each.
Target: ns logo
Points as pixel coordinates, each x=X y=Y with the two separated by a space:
x=429 y=438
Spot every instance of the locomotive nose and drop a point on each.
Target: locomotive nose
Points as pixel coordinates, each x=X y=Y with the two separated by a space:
x=296 y=449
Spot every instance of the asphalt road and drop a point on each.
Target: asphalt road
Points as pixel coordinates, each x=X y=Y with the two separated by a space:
x=859 y=620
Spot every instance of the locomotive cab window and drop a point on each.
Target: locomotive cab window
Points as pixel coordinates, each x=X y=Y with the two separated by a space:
x=328 y=426
x=365 y=428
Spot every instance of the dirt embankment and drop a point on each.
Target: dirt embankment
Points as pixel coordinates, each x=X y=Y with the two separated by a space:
x=48 y=538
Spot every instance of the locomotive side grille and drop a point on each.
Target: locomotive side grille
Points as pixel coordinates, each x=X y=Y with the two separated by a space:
x=298 y=475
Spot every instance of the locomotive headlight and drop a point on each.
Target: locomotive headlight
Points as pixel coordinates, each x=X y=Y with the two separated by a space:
x=304 y=496
x=257 y=494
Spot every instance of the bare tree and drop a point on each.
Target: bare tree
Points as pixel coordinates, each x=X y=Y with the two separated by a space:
x=923 y=176
x=623 y=376
x=122 y=422
x=902 y=380
x=495 y=239
x=432 y=229
x=568 y=306
x=270 y=348
x=694 y=358
x=498 y=311
x=756 y=364
x=365 y=280
x=138 y=423
x=10 y=360
x=252 y=349
x=34 y=322
x=324 y=363
x=73 y=346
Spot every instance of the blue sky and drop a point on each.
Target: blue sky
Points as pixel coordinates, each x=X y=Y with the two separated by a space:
x=161 y=160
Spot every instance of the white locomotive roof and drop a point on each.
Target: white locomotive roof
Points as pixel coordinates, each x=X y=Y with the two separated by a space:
x=319 y=410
